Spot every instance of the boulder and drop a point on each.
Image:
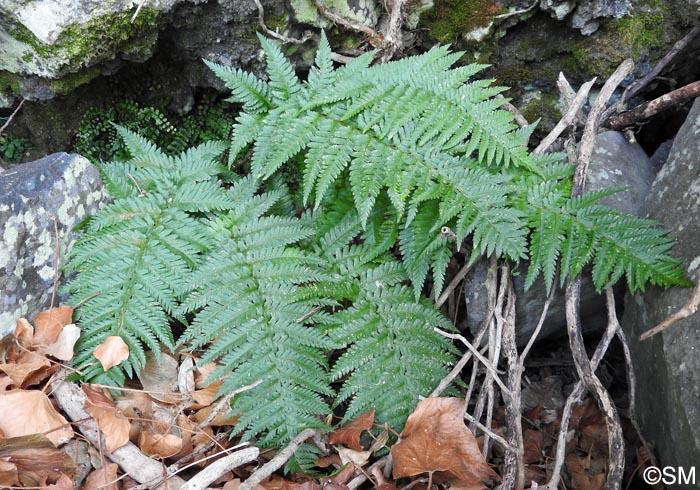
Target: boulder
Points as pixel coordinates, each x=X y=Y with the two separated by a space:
x=67 y=187
x=616 y=163
x=667 y=366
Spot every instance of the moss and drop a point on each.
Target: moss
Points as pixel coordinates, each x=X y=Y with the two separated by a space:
x=545 y=108
x=277 y=22
x=9 y=83
x=79 y=44
x=450 y=19
x=642 y=31
x=71 y=81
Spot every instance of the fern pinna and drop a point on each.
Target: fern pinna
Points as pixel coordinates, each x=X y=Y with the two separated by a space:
x=139 y=252
x=439 y=146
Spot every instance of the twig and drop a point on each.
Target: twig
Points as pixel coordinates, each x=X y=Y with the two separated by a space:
x=568 y=118
x=278 y=461
x=534 y=335
x=138 y=9
x=392 y=36
x=342 y=21
x=355 y=483
x=453 y=285
x=140 y=467
x=482 y=359
x=221 y=404
x=500 y=440
x=56 y=260
x=517 y=12
x=690 y=308
x=616 y=454
x=519 y=118
x=280 y=37
x=9 y=119
x=514 y=474
x=576 y=397
x=639 y=85
x=653 y=107
x=214 y=471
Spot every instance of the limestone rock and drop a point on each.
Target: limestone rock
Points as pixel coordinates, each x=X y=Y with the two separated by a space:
x=61 y=185
x=615 y=163
x=667 y=366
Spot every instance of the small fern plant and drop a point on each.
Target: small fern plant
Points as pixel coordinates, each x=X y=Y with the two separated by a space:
x=325 y=312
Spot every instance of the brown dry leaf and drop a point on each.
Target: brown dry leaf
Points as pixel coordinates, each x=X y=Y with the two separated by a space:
x=24 y=332
x=48 y=324
x=159 y=445
x=358 y=458
x=221 y=419
x=31 y=412
x=202 y=374
x=235 y=483
x=63 y=483
x=109 y=418
x=35 y=459
x=350 y=435
x=205 y=396
x=436 y=439
x=456 y=484
x=5 y=381
x=30 y=369
x=185 y=376
x=586 y=474
x=533 y=444
x=326 y=461
x=62 y=348
x=103 y=478
x=111 y=352
x=276 y=482
x=159 y=378
x=8 y=473
x=380 y=482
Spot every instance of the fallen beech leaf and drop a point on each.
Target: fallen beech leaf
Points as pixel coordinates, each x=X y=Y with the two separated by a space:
x=63 y=483
x=5 y=381
x=221 y=418
x=202 y=374
x=35 y=459
x=159 y=378
x=358 y=458
x=30 y=412
x=111 y=352
x=185 y=376
x=235 y=483
x=533 y=444
x=8 y=473
x=456 y=484
x=62 y=348
x=344 y=476
x=206 y=395
x=159 y=445
x=24 y=332
x=30 y=369
x=103 y=478
x=326 y=461
x=48 y=324
x=436 y=439
x=109 y=418
x=350 y=435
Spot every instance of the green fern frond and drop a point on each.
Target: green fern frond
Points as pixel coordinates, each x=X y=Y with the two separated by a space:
x=250 y=291
x=139 y=251
x=428 y=137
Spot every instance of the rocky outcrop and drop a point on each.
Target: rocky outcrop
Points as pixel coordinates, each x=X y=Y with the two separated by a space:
x=61 y=186
x=667 y=366
x=616 y=163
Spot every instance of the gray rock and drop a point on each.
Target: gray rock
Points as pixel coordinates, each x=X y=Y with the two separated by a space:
x=667 y=366
x=615 y=163
x=61 y=185
x=588 y=13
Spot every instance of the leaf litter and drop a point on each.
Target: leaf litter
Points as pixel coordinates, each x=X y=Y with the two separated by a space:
x=163 y=416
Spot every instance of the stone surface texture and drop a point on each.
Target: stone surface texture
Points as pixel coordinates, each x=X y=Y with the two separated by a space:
x=615 y=163
x=667 y=366
x=64 y=186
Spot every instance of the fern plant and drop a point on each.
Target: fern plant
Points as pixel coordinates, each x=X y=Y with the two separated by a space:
x=139 y=252
x=323 y=312
x=438 y=145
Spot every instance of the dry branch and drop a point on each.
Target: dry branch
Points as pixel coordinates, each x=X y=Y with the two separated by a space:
x=219 y=467
x=653 y=107
x=690 y=308
x=131 y=460
x=266 y=470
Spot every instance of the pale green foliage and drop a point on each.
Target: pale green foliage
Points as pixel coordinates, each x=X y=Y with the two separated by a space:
x=139 y=252
x=439 y=146
x=302 y=307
